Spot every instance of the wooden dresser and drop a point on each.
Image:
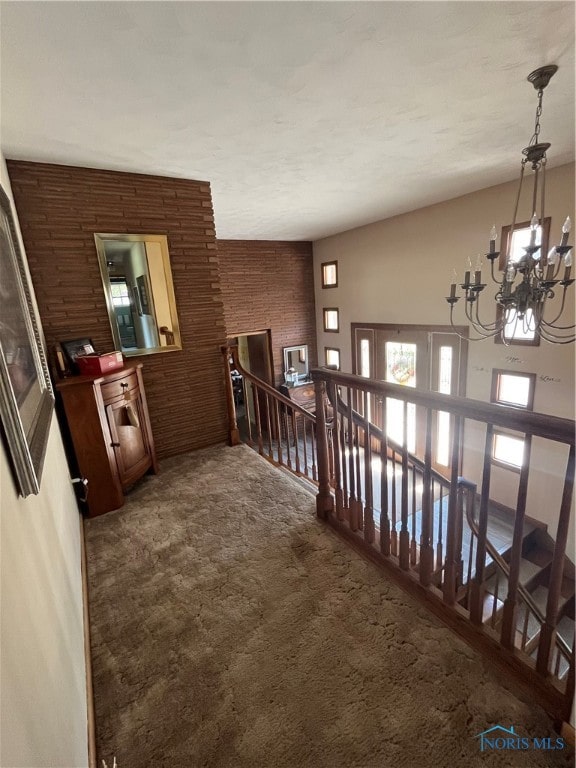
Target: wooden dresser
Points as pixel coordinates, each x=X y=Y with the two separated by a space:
x=109 y=426
x=304 y=395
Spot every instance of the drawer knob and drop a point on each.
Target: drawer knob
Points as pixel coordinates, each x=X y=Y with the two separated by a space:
x=124 y=384
x=115 y=445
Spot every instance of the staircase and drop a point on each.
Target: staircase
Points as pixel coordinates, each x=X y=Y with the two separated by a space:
x=496 y=576
x=537 y=552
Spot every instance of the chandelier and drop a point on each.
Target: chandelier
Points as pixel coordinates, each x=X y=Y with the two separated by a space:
x=531 y=294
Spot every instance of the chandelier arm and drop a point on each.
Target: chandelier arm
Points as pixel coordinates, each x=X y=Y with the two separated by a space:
x=550 y=323
x=479 y=324
x=494 y=279
x=467 y=338
x=553 y=339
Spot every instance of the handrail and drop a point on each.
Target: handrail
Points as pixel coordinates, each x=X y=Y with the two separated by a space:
x=376 y=432
x=503 y=565
x=528 y=422
x=265 y=387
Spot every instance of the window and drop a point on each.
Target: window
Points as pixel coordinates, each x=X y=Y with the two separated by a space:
x=330 y=274
x=120 y=295
x=508 y=450
x=521 y=238
x=515 y=389
x=517 y=330
x=332 y=357
x=331 y=319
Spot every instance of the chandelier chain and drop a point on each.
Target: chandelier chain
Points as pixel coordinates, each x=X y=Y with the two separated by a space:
x=536 y=134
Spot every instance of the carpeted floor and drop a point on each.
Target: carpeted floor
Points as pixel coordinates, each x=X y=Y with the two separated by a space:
x=231 y=628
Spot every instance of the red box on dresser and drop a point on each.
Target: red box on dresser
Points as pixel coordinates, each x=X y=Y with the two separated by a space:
x=95 y=365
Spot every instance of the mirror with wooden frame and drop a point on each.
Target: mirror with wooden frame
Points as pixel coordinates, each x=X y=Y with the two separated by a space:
x=137 y=282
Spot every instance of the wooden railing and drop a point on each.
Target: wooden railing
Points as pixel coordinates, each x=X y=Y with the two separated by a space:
x=532 y=619
x=428 y=530
x=280 y=430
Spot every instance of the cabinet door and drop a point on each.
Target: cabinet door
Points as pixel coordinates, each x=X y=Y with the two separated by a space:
x=129 y=437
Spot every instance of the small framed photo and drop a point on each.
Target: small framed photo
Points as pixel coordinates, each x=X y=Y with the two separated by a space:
x=76 y=348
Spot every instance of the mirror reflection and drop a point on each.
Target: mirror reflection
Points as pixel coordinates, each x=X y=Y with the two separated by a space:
x=137 y=281
x=295 y=364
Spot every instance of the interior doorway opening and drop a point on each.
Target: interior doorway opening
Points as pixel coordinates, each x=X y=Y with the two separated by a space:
x=255 y=356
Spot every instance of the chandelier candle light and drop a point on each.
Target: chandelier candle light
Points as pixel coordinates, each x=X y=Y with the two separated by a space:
x=529 y=282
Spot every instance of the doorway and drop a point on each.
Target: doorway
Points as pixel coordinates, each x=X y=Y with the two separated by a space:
x=255 y=356
x=430 y=358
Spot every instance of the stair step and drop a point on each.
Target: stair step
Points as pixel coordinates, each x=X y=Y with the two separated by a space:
x=489 y=610
x=528 y=570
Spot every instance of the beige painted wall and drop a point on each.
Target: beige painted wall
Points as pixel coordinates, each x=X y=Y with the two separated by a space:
x=42 y=683
x=399 y=271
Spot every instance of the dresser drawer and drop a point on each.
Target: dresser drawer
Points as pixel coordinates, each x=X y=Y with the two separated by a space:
x=113 y=389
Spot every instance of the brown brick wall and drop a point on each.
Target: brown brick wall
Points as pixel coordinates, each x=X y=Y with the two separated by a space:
x=59 y=209
x=269 y=284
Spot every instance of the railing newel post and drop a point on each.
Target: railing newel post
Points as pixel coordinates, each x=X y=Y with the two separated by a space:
x=233 y=431
x=324 y=499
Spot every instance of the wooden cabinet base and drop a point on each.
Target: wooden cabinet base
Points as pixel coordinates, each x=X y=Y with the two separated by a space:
x=109 y=425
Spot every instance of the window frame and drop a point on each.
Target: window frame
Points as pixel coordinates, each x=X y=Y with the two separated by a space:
x=322 y=274
x=535 y=342
x=494 y=388
x=332 y=349
x=325 y=311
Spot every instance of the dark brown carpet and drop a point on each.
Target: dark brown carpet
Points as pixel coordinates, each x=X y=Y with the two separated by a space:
x=231 y=628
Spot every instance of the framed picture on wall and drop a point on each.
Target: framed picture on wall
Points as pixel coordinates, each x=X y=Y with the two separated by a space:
x=26 y=397
x=144 y=291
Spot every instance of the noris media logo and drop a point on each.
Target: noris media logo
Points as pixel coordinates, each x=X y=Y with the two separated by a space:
x=499 y=738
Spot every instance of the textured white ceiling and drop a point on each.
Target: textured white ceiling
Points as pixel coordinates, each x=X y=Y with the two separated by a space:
x=308 y=118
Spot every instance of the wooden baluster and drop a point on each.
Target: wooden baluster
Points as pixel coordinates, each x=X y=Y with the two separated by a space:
x=344 y=468
x=525 y=627
x=359 y=505
x=305 y=445
x=557 y=664
x=233 y=431
x=259 y=424
x=495 y=601
x=248 y=419
x=511 y=600
x=313 y=446
x=440 y=538
x=352 y=501
x=463 y=498
x=394 y=531
x=296 y=441
x=369 y=528
x=284 y=410
x=477 y=585
x=404 y=534
x=426 y=541
x=413 y=515
x=557 y=570
x=268 y=426
x=570 y=680
x=450 y=568
x=278 y=428
x=384 y=517
x=336 y=428
x=469 y=574
x=324 y=501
